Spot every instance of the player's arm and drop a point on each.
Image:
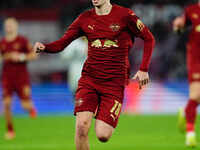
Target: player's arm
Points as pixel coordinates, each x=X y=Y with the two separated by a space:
x=74 y=31
x=181 y=22
x=140 y=30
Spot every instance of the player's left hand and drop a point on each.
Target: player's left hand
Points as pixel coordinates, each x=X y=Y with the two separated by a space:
x=142 y=77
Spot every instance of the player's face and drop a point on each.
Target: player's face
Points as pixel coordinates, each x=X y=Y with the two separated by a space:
x=10 y=26
x=98 y=3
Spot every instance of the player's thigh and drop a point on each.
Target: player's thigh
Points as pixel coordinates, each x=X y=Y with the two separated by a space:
x=7 y=92
x=86 y=98
x=83 y=123
x=110 y=105
x=194 y=90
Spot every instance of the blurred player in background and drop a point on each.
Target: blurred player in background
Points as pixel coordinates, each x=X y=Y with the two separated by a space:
x=16 y=51
x=191 y=17
x=75 y=54
x=110 y=30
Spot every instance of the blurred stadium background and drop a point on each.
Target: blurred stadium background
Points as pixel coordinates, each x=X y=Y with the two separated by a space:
x=53 y=76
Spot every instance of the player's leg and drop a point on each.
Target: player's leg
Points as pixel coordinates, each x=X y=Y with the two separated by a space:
x=83 y=123
x=103 y=130
x=85 y=106
x=7 y=101
x=24 y=93
x=108 y=112
x=191 y=112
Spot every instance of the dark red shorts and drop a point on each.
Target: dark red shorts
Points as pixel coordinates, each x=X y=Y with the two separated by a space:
x=16 y=83
x=104 y=99
x=193 y=62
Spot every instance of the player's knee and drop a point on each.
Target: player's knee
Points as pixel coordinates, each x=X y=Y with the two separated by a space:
x=82 y=129
x=103 y=136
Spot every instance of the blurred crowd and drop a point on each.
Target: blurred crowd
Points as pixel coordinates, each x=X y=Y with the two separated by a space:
x=168 y=61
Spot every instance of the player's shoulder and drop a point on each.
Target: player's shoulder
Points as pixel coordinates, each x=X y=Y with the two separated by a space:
x=123 y=10
x=87 y=13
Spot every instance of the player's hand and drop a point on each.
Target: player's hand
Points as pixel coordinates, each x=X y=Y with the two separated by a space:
x=39 y=47
x=142 y=78
x=178 y=23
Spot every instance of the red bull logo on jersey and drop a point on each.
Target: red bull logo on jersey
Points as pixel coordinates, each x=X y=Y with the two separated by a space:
x=107 y=44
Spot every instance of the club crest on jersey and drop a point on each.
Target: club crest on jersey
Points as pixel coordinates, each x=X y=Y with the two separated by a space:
x=115 y=27
x=140 y=25
x=195 y=16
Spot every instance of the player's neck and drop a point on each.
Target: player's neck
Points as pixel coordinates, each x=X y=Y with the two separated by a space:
x=104 y=9
x=11 y=36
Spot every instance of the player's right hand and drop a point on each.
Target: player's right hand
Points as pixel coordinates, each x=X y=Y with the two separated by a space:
x=39 y=47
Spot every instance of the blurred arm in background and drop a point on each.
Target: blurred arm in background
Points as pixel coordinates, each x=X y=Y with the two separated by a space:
x=180 y=22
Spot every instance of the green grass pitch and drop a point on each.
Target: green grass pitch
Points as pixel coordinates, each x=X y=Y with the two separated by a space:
x=151 y=132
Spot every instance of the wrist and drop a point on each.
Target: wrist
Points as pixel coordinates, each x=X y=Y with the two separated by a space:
x=143 y=69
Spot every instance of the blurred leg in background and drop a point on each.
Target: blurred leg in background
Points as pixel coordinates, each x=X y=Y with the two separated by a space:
x=24 y=93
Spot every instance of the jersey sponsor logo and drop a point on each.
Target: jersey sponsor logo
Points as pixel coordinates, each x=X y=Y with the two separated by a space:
x=96 y=43
x=196 y=76
x=197 y=28
x=115 y=27
x=195 y=16
x=140 y=25
x=107 y=44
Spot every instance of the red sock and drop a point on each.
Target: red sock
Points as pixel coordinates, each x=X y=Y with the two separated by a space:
x=10 y=127
x=190 y=114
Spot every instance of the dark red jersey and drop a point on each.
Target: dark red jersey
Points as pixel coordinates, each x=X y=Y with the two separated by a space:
x=192 y=15
x=19 y=45
x=110 y=38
